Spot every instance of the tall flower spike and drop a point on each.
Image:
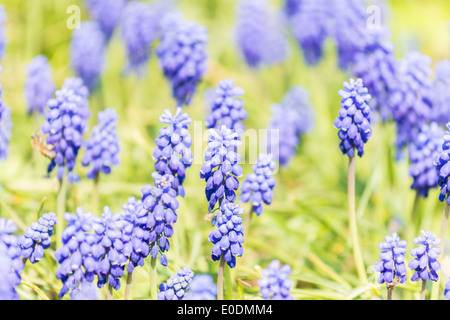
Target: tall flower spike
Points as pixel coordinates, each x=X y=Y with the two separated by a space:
x=102 y=147
x=221 y=167
x=425 y=263
x=182 y=55
x=8 y=280
x=353 y=121
x=39 y=85
x=160 y=201
x=293 y=117
x=275 y=283
x=226 y=109
x=258 y=186
x=228 y=236
x=422 y=153
x=87 y=53
x=65 y=125
x=106 y=13
x=176 y=287
x=392 y=266
x=442 y=162
x=140 y=28
x=37 y=237
x=173 y=153
x=202 y=287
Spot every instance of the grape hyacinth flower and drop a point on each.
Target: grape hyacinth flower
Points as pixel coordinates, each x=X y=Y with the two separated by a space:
x=102 y=147
x=37 y=237
x=258 y=185
x=176 y=287
x=228 y=236
x=202 y=287
x=293 y=117
x=86 y=291
x=447 y=290
x=392 y=266
x=39 y=85
x=275 y=283
x=221 y=167
x=442 y=164
x=3 y=40
x=107 y=14
x=226 y=109
x=8 y=280
x=87 y=53
x=5 y=131
x=140 y=29
x=422 y=153
x=441 y=94
x=173 y=153
x=353 y=121
x=182 y=55
x=65 y=125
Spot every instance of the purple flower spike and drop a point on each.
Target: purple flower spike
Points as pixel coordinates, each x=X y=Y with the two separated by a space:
x=107 y=13
x=177 y=286
x=353 y=121
x=202 y=287
x=275 y=283
x=392 y=266
x=425 y=263
x=442 y=163
x=441 y=94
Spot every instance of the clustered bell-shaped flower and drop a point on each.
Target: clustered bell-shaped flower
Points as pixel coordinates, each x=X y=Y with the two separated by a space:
x=39 y=84
x=258 y=186
x=226 y=109
x=87 y=52
x=37 y=237
x=275 y=283
x=176 y=287
x=10 y=260
x=160 y=200
x=425 y=263
x=173 y=153
x=140 y=27
x=229 y=234
x=442 y=163
x=107 y=14
x=221 y=167
x=392 y=264
x=441 y=94
x=86 y=291
x=202 y=287
x=353 y=121
x=65 y=125
x=102 y=147
x=182 y=55
x=422 y=153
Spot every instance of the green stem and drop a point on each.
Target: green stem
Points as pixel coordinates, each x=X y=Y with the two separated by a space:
x=444 y=225
x=389 y=293
x=352 y=221
x=127 y=294
x=228 y=284
x=220 y=278
x=248 y=220
x=415 y=218
x=423 y=291
x=109 y=293
x=153 y=286
x=61 y=209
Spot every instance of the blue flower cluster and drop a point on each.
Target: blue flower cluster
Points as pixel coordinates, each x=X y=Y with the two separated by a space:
x=173 y=152
x=102 y=147
x=139 y=30
x=87 y=53
x=392 y=264
x=258 y=186
x=5 y=129
x=182 y=55
x=290 y=119
x=229 y=234
x=107 y=14
x=160 y=200
x=176 y=287
x=202 y=287
x=441 y=94
x=86 y=291
x=422 y=153
x=37 y=237
x=65 y=124
x=39 y=85
x=442 y=163
x=425 y=263
x=221 y=167
x=226 y=109
x=353 y=121
x=275 y=283
x=11 y=264
x=259 y=33
x=447 y=290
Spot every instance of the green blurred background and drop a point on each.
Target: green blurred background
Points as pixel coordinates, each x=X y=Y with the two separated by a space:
x=306 y=226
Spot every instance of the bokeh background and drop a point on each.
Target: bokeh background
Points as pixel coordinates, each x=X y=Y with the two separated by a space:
x=305 y=226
